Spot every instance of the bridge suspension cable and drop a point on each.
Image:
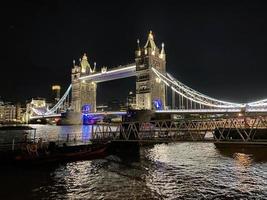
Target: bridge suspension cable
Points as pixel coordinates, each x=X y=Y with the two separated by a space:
x=260 y=103
x=192 y=95
x=60 y=102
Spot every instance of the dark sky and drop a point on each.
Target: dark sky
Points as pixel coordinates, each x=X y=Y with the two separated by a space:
x=216 y=48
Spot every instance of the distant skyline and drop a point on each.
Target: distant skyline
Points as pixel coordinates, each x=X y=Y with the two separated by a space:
x=217 y=48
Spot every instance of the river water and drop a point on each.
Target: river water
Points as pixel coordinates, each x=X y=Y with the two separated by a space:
x=163 y=171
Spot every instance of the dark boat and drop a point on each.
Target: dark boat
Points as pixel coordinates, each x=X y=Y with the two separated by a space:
x=34 y=151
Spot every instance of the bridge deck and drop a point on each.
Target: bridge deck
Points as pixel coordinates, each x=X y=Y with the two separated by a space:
x=117 y=73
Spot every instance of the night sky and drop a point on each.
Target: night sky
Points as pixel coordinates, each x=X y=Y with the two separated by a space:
x=218 y=49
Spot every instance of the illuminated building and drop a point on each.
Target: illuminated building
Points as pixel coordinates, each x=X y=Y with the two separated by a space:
x=148 y=87
x=56 y=92
x=7 y=112
x=101 y=108
x=131 y=100
x=36 y=105
x=83 y=91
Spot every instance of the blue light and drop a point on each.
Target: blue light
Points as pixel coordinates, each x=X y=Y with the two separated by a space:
x=86 y=109
x=86 y=133
x=86 y=117
x=158 y=104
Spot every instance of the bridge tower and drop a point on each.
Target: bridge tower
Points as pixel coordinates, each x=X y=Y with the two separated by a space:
x=150 y=91
x=83 y=91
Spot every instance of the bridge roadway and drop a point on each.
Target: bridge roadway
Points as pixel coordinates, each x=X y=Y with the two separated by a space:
x=177 y=111
x=93 y=114
x=213 y=111
x=112 y=74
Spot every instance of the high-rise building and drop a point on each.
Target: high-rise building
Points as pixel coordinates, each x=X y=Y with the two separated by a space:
x=56 y=92
x=131 y=100
x=7 y=112
x=2 y=111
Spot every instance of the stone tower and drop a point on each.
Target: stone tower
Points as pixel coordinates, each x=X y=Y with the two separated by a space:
x=150 y=90
x=83 y=91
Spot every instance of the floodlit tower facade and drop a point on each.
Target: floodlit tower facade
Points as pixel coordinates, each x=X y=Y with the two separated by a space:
x=83 y=91
x=150 y=90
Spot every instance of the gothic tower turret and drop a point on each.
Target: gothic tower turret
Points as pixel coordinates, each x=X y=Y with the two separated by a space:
x=150 y=91
x=83 y=91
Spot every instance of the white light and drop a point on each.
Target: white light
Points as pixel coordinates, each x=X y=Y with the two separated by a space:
x=196 y=96
x=59 y=103
x=158 y=80
x=200 y=111
x=130 y=68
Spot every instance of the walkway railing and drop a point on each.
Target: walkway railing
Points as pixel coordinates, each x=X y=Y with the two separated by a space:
x=244 y=129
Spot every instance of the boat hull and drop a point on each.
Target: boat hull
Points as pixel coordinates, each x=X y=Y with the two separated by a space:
x=55 y=155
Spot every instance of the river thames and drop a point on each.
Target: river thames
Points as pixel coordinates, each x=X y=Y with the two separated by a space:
x=164 y=171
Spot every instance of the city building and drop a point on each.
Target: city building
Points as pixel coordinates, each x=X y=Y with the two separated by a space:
x=131 y=100
x=116 y=105
x=56 y=92
x=101 y=108
x=2 y=111
x=37 y=106
x=8 y=112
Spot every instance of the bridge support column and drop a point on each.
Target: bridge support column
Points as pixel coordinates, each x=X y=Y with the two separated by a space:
x=173 y=99
x=83 y=91
x=150 y=90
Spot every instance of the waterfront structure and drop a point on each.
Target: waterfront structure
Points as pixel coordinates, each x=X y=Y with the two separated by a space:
x=131 y=100
x=9 y=112
x=19 y=112
x=150 y=91
x=83 y=91
x=152 y=80
x=149 y=88
x=2 y=110
x=101 y=108
x=36 y=106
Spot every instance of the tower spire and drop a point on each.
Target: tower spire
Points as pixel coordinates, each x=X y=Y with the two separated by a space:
x=138 y=44
x=94 y=67
x=162 y=52
x=150 y=41
x=85 y=64
x=138 y=50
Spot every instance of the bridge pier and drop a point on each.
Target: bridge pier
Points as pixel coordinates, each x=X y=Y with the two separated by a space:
x=83 y=91
x=150 y=90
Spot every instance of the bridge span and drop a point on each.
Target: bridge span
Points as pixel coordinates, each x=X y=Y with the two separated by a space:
x=112 y=74
x=152 y=85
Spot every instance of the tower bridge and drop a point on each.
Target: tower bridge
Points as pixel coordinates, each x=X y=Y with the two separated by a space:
x=152 y=85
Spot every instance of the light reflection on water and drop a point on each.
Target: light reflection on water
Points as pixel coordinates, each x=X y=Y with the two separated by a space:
x=173 y=171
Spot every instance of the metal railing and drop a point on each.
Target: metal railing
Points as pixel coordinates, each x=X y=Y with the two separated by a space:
x=182 y=129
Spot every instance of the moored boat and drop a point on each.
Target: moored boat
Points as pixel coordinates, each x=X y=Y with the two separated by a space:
x=32 y=150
